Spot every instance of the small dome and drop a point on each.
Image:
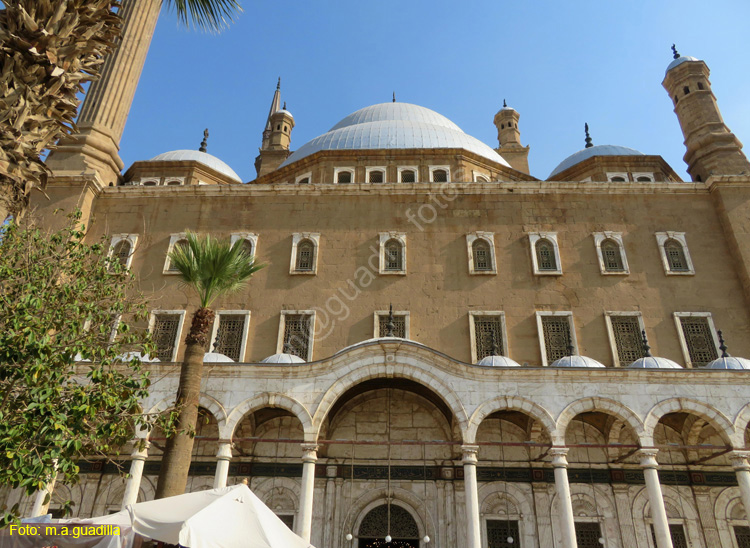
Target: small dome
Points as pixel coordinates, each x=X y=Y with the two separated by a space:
x=576 y=361
x=216 y=357
x=679 y=61
x=598 y=150
x=282 y=358
x=285 y=111
x=498 y=361
x=651 y=362
x=204 y=158
x=127 y=356
x=730 y=362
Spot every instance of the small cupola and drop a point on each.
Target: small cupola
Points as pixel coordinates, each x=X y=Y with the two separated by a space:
x=652 y=362
x=725 y=361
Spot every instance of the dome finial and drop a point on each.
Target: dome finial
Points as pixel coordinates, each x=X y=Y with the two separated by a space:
x=278 y=84
x=589 y=141
x=390 y=325
x=505 y=105
x=646 y=347
x=570 y=349
x=204 y=142
x=495 y=350
x=284 y=107
x=394 y=96
x=722 y=346
x=287 y=347
x=675 y=55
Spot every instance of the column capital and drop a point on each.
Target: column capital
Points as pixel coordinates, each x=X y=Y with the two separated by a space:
x=559 y=456
x=140 y=454
x=648 y=457
x=309 y=452
x=225 y=450
x=739 y=460
x=469 y=454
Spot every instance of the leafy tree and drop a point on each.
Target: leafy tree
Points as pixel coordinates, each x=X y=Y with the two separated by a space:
x=48 y=50
x=211 y=268
x=68 y=390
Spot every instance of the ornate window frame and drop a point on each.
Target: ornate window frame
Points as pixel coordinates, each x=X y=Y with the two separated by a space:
x=535 y=237
x=661 y=239
x=479 y=177
x=540 y=331
x=299 y=178
x=616 y=237
x=380 y=313
x=245 y=330
x=381 y=169
x=174 y=181
x=383 y=238
x=649 y=174
x=116 y=239
x=611 y=332
x=415 y=169
x=338 y=170
x=489 y=238
x=249 y=236
x=473 y=315
x=180 y=325
x=683 y=340
x=310 y=336
x=173 y=239
x=298 y=237
x=447 y=170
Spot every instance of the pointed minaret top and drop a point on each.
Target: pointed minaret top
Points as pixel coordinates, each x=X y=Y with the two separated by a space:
x=394 y=96
x=505 y=105
x=278 y=84
x=589 y=141
x=204 y=142
x=675 y=55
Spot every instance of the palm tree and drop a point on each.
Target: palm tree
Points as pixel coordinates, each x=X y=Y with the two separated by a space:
x=212 y=268
x=48 y=50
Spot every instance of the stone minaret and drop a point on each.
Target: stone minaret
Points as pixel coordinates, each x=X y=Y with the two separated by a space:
x=712 y=149
x=107 y=104
x=277 y=136
x=509 y=137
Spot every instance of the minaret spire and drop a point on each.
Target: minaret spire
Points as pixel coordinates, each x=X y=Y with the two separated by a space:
x=589 y=141
x=675 y=55
x=204 y=142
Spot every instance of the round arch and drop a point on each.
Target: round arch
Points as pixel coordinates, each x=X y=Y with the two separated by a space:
x=741 y=422
x=375 y=371
x=509 y=403
x=270 y=399
x=715 y=418
x=602 y=405
x=209 y=403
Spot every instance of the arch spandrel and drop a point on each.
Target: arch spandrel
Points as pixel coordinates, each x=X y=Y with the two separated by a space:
x=715 y=418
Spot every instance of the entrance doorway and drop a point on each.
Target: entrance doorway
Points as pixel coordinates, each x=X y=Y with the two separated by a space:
x=374 y=528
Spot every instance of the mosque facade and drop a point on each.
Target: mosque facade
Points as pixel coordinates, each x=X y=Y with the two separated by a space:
x=444 y=349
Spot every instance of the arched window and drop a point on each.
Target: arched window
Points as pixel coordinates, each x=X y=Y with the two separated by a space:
x=174 y=183
x=149 y=183
x=394 y=255
x=545 y=255
x=481 y=179
x=612 y=256
x=376 y=176
x=675 y=256
x=382 y=521
x=304 y=181
x=618 y=179
x=179 y=243
x=121 y=252
x=408 y=176
x=247 y=246
x=644 y=179
x=440 y=176
x=344 y=177
x=482 y=255
x=305 y=256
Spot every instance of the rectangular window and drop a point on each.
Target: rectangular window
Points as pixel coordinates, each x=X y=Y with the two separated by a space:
x=627 y=338
x=399 y=325
x=742 y=534
x=297 y=332
x=699 y=341
x=230 y=335
x=556 y=336
x=677 y=532
x=499 y=531
x=488 y=336
x=165 y=330
x=588 y=534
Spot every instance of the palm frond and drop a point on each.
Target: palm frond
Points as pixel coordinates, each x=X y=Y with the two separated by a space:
x=208 y=15
x=213 y=267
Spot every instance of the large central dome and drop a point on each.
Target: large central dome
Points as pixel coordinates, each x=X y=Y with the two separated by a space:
x=394 y=126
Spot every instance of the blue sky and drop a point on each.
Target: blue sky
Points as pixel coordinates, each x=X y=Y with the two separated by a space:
x=559 y=64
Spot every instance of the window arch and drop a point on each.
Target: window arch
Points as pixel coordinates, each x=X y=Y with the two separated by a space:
x=481 y=255
x=181 y=244
x=376 y=176
x=611 y=253
x=440 y=176
x=305 y=256
x=612 y=256
x=149 y=183
x=344 y=176
x=394 y=256
x=174 y=241
x=408 y=175
x=545 y=255
x=121 y=252
x=174 y=183
x=305 y=247
x=674 y=253
x=249 y=241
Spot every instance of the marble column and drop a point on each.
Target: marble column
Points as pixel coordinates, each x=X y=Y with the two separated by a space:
x=656 y=499
x=223 y=456
x=309 y=458
x=742 y=470
x=473 y=531
x=133 y=486
x=567 y=523
x=331 y=472
x=41 y=502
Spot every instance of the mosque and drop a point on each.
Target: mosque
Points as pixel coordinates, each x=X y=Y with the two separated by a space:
x=444 y=349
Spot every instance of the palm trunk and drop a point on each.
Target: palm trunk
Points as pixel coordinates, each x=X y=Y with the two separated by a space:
x=175 y=463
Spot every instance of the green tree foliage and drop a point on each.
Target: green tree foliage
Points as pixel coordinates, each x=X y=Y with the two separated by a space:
x=69 y=384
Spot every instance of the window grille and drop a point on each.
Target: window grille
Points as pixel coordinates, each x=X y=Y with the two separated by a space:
x=488 y=330
x=498 y=532
x=628 y=341
x=121 y=252
x=376 y=176
x=742 y=534
x=229 y=336
x=556 y=333
x=408 y=176
x=545 y=255
x=344 y=177
x=675 y=256
x=165 y=335
x=439 y=176
x=699 y=340
x=399 y=325
x=588 y=534
x=612 y=256
x=182 y=244
x=305 y=255
x=297 y=334
x=394 y=259
x=375 y=524
x=677 y=532
x=482 y=255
